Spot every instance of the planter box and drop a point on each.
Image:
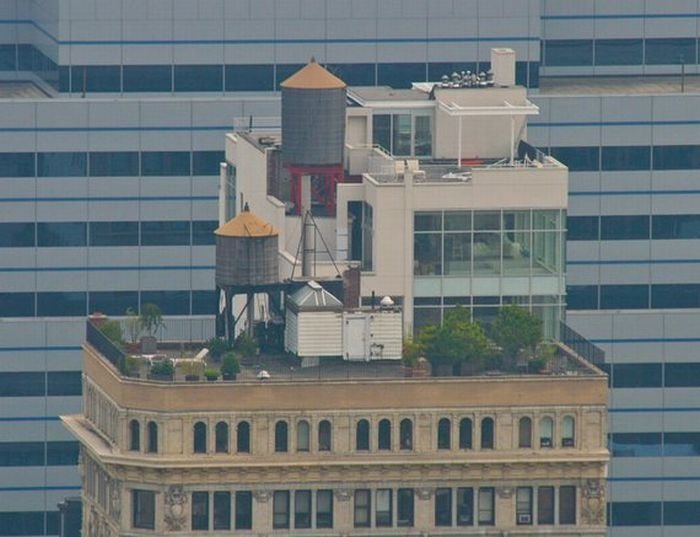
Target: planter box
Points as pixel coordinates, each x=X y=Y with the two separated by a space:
x=192 y=378
x=151 y=376
x=229 y=377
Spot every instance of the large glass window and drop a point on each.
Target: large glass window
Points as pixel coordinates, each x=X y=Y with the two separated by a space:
x=199 y=78
x=22 y=384
x=684 y=374
x=643 y=375
x=250 y=77
x=465 y=506
x=147 y=78
x=625 y=158
x=170 y=302
x=165 y=233
x=143 y=509
x=404 y=508
x=624 y=297
x=280 y=509
x=324 y=509
x=62 y=453
x=362 y=508
x=64 y=164
x=303 y=436
x=525 y=432
x=465 y=433
x=244 y=510
x=113 y=302
x=114 y=233
x=582 y=297
x=487 y=433
x=96 y=78
x=221 y=439
x=55 y=304
x=619 y=52
x=635 y=513
x=22 y=453
x=64 y=383
x=222 y=510
x=62 y=234
x=443 y=434
x=403 y=134
x=568 y=431
x=355 y=74
x=207 y=162
x=134 y=435
x=243 y=437
x=632 y=227
x=443 y=507
x=545 y=505
x=200 y=437
x=17 y=234
x=302 y=509
x=487 y=506
x=17 y=165
x=406 y=434
x=546 y=432
x=165 y=163
x=281 y=439
x=582 y=228
x=17 y=305
x=384 y=435
x=635 y=444
x=578 y=159
x=423 y=142
x=676 y=157
x=675 y=226
x=567 y=505
x=152 y=437
x=383 y=516
x=568 y=52
x=400 y=75
x=200 y=511
x=114 y=164
x=670 y=51
x=523 y=506
x=324 y=435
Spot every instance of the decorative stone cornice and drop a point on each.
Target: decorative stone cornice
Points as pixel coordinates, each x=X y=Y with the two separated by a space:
x=262 y=496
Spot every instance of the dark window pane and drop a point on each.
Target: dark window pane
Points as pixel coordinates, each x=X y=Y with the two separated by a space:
x=405 y=508
x=636 y=376
x=280 y=509
x=205 y=302
x=384 y=435
x=114 y=233
x=203 y=232
x=676 y=157
x=175 y=163
x=243 y=437
x=678 y=375
x=8 y=57
x=682 y=444
x=582 y=297
x=64 y=383
x=635 y=514
x=17 y=165
x=487 y=433
x=545 y=505
x=22 y=522
x=64 y=164
x=143 y=509
x=681 y=513
x=62 y=453
x=675 y=226
x=281 y=437
x=465 y=506
x=567 y=505
x=22 y=454
x=680 y=295
x=64 y=79
x=534 y=77
x=635 y=444
x=207 y=162
x=617 y=158
x=222 y=510
x=578 y=159
x=582 y=228
x=324 y=509
x=68 y=304
x=200 y=437
x=363 y=502
x=244 y=510
x=200 y=511
x=17 y=305
x=113 y=302
x=354 y=74
x=567 y=52
x=114 y=163
x=620 y=297
x=166 y=233
x=170 y=302
x=62 y=233
x=16 y=234
x=249 y=77
x=199 y=78
x=22 y=384
x=97 y=78
x=302 y=509
x=145 y=78
x=670 y=51
x=400 y=75
x=381 y=131
x=633 y=227
x=618 y=52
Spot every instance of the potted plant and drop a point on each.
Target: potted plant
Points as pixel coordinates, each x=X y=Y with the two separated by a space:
x=133 y=329
x=192 y=369
x=517 y=332
x=246 y=346
x=150 y=320
x=113 y=332
x=230 y=366
x=411 y=352
x=162 y=370
x=217 y=348
x=211 y=374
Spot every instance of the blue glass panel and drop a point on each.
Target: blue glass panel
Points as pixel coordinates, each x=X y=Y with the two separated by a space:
x=22 y=523
x=534 y=79
x=636 y=375
x=284 y=70
x=170 y=302
x=68 y=304
x=670 y=51
x=250 y=77
x=582 y=297
x=682 y=375
x=8 y=57
x=113 y=302
x=566 y=52
x=22 y=454
x=22 y=384
x=17 y=165
x=203 y=232
x=620 y=158
x=17 y=234
x=62 y=234
x=685 y=444
x=400 y=75
x=619 y=52
x=64 y=164
x=635 y=514
x=624 y=297
x=96 y=78
x=675 y=226
x=64 y=383
x=207 y=162
x=165 y=233
x=578 y=159
x=25 y=54
x=354 y=74
x=199 y=78
x=114 y=234
x=175 y=163
x=682 y=514
x=628 y=227
x=64 y=79
x=16 y=304
x=114 y=163
x=148 y=78
x=62 y=453
x=205 y=302
x=679 y=295
x=582 y=228
x=676 y=157
x=635 y=444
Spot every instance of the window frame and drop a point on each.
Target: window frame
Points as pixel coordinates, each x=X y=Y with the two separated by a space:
x=139 y=511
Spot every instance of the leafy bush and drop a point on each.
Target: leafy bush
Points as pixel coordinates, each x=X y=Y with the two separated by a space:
x=211 y=374
x=515 y=330
x=113 y=332
x=411 y=351
x=246 y=345
x=230 y=365
x=217 y=348
x=151 y=318
x=163 y=368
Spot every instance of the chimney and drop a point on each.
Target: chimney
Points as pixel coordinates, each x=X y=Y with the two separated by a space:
x=503 y=67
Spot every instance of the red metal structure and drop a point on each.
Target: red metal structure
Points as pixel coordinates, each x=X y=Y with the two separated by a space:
x=324 y=180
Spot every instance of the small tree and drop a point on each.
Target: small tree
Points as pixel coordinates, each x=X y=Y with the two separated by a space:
x=151 y=318
x=516 y=330
x=246 y=345
x=411 y=351
x=113 y=331
x=217 y=348
x=230 y=366
x=133 y=325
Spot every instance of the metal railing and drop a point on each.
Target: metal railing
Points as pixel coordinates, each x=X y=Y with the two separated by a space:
x=579 y=344
x=104 y=346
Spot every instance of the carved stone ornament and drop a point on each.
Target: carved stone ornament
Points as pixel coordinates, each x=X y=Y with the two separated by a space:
x=343 y=495
x=504 y=492
x=115 y=500
x=424 y=493
x=94 y=527
x=175 y=512
x=593 y=508
x=262 y=496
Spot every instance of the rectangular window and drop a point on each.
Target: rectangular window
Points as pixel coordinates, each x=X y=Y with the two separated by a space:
x=624 y=297
x=200 y=511
x=324 y=509
x=207 y=162
x=17 y=234
x=632 y=227
x=423 y=137
x=113 y=302
x=678 y=375
x=62 y=234
x=114 y=164
x=27 y=523
x=678 y=295
x=443 y=507
x=523 y=506
x=381 y=131
x=625 y=158
x=69 y=304
x=22 y=384
x=114 y=234
x=165 y=163
x=675 y=226
x=578 y=159
x=567 y=505
x=62 y=453
x=165 y=233
x=465 y=506
x=64 y=383
x=302 y=509
x=635 y=513
x=582 y=228
x=222 y=510
x=147 y=78
x=22 y=453
x=487 y=506
x=199 y=78
x=384 y=509
x=249 y=77
x=96 y=78
x=244 y=510
x=205 y=302
x=405 y=508
x=170 y=302
x=280 y=509
x=17 y=305
x=143 y=509
x=582 y=297
x=363 y=501
x=63 y=164
x=568 y=52
x=400 y=75
x=636 y=375
x=17 y=165
x=676 y=157
x=354 y=74
x=545 y=505
x=682 y=514
x=670 y=51
x=619 y=52
x=8 y=57
x=681 y=444
x=635 y=444
x=203 y=232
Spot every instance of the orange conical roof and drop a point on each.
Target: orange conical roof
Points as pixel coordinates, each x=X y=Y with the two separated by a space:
x=313 y=76
x=246 y=224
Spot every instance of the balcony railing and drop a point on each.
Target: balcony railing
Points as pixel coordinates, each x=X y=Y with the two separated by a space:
x=104 y=346
x=579 y=344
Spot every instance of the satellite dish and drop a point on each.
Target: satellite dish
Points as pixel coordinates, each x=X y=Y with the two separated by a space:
x=264 y=375
x=386 y=302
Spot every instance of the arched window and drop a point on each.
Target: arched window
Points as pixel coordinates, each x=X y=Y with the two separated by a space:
x=406 y=434
x=302 y=436
x=221 y=439
x=281 y=439
x=487 y=433
x=525 y=432
x=444 y=439
x=324 y=435
x=465 y=433
x=200 y=437
x=546 y=432
x=362 y=435
x=567 y=432
x=384 y=434
x=152 y=446
x=134 y=435
x=243 y=437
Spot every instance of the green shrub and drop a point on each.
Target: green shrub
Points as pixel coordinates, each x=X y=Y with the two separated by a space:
x=163 y=368
x=211 y=374
x=113 y=332
x=151 y=318
x=246 y=345
x=217 y=348
x=230 y=365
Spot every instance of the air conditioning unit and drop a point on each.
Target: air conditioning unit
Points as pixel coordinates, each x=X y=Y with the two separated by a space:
x=545 y=442
x=524 y=519
x=567 y=442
